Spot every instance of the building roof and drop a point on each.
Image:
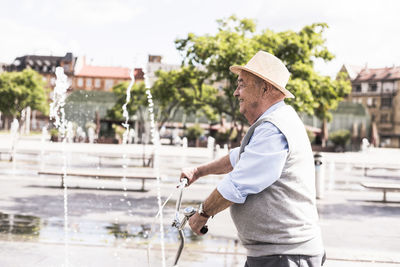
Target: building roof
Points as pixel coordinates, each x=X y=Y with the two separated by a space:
x=388 y=73
x=109 y=72
x=42 y=64
x=352 y=70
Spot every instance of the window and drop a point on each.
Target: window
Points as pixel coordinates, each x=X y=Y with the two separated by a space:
x=371 y=102
x=80 y=82
x=97 y=83
x=108 y=84
x=357 y=88
x=386 y=102
x=384 y=117
x=372 y=87
x=88 y=82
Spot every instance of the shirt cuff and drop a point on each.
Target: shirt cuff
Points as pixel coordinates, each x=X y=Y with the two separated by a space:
x=229 y=191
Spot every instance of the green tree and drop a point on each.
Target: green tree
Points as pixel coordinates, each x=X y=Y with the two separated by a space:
x=138 y=99
x=237 y=41
x=136 y=106
x=182 y=89
x=19 y=90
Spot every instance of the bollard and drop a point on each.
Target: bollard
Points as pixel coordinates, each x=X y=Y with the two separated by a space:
x=319 y=176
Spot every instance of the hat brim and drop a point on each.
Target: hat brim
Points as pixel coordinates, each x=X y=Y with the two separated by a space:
x=238 y=69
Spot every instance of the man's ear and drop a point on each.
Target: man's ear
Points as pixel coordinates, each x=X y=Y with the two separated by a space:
x=266 y=87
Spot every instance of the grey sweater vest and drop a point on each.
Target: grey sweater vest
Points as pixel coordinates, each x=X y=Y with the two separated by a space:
x=283 y=218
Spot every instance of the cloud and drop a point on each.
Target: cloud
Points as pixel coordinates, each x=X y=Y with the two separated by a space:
x=101 y=12
x=87 y=12
x=25 y=39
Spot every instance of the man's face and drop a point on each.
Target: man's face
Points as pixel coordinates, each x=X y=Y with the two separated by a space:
x=248 y=94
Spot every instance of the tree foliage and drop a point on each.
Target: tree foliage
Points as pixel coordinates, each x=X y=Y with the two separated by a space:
x=183 y=88
x=138 y=100
x=19 y=90
x=237 y=41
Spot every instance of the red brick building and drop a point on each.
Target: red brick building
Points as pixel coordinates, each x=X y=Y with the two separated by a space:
x=101 y=78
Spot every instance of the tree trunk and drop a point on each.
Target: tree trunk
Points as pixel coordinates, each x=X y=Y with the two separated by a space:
x=324 y=133
x=6 y=123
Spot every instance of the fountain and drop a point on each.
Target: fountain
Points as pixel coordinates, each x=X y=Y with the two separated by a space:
x=125 y=136
x=210 y=146
x=42 y=145
x=131 y=136
x=58 y=114
x=156 y=142
x=184 y=142
x=14 y=140
x=70 y=132
x=80 y=134
x=91 y=135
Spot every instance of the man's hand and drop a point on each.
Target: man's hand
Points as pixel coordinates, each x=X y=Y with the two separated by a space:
x=191 y=174
x=219 y=166
x=197 y=222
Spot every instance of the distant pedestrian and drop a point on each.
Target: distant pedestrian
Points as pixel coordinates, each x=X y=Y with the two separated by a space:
x=270 y=179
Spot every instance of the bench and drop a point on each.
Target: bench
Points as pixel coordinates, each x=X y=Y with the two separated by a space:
x=147 y=160
x=9 y=152
x=369 y=167
x=385 y=187
x=99 y=174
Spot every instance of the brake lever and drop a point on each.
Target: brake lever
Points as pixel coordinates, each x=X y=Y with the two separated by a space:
x=188 y=212
x=180 y=225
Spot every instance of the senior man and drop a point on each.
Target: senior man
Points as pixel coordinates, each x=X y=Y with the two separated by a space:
x=269 y=182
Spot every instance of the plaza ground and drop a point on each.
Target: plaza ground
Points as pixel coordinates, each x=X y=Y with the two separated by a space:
x=108 y=226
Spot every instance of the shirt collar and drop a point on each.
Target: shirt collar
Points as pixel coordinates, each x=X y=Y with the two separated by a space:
x=272 y=109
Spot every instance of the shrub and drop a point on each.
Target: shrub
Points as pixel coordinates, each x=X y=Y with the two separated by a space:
x=119 y=132
x=223 y=137
x=54 y=134
x=194 y=132
x=340 y=138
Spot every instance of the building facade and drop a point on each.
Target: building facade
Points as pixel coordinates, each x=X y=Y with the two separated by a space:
x=154 y=64
x=378 y=90
x=101 y=78
x=81 y=76
x=45 y=65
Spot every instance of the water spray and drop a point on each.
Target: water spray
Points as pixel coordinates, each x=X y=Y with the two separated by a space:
x=156 y=142
x=58 y=114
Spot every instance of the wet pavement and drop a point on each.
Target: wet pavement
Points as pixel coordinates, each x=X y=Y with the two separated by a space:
x=108 y=226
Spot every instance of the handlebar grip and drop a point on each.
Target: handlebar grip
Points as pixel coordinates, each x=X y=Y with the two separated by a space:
x=204 y=230
x=187 y=180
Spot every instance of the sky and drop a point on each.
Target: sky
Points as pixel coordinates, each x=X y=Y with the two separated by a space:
x=124 y=32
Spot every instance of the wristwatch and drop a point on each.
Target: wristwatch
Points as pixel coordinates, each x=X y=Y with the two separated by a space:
x=202 y=212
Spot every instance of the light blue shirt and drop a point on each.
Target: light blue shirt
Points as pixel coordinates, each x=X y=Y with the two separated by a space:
x=260 y=164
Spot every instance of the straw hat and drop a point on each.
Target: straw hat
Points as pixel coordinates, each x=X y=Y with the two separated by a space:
x=269 y=68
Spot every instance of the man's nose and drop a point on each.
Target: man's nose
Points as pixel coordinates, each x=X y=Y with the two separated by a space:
x=236 y=92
